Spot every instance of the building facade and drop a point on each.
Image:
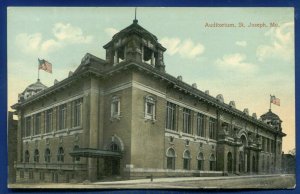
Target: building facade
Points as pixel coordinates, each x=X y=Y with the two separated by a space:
x=124 y=117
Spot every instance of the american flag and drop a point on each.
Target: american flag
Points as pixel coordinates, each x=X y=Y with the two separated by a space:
x=45 y=65
x=275 y=100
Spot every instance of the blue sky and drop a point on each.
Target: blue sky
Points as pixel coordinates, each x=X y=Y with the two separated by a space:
x=244 y=64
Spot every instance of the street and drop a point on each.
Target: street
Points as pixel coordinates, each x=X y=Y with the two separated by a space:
x=279 y=181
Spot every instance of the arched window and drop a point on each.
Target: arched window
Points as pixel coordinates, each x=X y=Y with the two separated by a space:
x=114 y=147
x=47 y=155
x=244 y=140
x=76 y=159
x=27 y=156
x=171 y=158
x=200 y=159
x=212 y=162
x=36 y=157
x=186 y=160
x=60 y=154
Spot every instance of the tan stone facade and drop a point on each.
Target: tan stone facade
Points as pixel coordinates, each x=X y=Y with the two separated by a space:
x=124 y=117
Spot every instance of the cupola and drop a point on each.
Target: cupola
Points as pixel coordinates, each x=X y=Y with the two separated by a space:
x=136 y=44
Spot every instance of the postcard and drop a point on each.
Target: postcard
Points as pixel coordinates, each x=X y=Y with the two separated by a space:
x=151 y=97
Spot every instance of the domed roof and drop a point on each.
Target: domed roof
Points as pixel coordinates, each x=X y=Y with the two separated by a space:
x=270 y=116
x=31 y=90
x=135 y=28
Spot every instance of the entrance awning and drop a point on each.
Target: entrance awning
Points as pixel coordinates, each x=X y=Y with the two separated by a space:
x=94 y=153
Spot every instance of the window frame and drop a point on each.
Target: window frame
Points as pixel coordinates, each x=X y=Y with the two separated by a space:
x=149 y=100
x=28 y=126
x=171 y=159
x=47 y=155
x=62 y=116
x=200 y=159
x=212 y=162
x=212 y=128
x=77 y=112
x=26 y=156
x=187 y=160
x=37 y=124
x=200 y=124
x=187 y=120
x=115 y=103
x=49 y=120
x=171 y=116
x=36 y=156
x=60 y=154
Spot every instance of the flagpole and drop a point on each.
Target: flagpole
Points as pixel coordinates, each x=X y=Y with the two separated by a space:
x=270 y=101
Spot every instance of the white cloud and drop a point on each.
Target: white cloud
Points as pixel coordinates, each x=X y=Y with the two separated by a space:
x=235 y=62
x=69 y=33
x=63 y=34
x=282 y=43
x=186 y=48
x=111 y=31
x=33 y=43
x=241 y=43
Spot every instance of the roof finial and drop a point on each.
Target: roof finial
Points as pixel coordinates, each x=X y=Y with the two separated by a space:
x=135 y=20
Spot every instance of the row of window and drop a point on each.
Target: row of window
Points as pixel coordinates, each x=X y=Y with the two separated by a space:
x=53 y=174
x=47 y=155
x=171 y=158
x=171 y=118
x=268 y=145
x=33 y=124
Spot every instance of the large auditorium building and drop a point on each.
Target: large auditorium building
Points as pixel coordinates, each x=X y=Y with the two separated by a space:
x=124 y=117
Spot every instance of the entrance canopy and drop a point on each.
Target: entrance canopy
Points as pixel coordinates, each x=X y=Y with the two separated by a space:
x=94 y=153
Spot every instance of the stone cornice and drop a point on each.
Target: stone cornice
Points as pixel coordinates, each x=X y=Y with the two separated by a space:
x=177 y=84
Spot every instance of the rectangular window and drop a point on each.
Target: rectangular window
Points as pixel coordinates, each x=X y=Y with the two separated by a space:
x=115 y=107
x=77 y=108
x=187 y=121
x=200 y=124
x=42 y=176
x=170 y=117
x=37 y=124
x=21 y=174
x=31 y=175
x=28 y=126
x=171 y=163
x=150 y=108
x=49 y=120
x=186 y=164
x=212 y=165
x=62 y=116
x=212 y=128
x=200 y=164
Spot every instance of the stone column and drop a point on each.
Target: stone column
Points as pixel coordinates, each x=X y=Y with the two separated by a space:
x=19 y=136
x=43 y=122
x=152 y=58
x=206 y=128
x=116 y=57
x=69 y=115
x=194 y=123
x=54 y=119
x=93 y=127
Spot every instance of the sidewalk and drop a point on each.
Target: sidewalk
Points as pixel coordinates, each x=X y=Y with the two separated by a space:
x=182 y=179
